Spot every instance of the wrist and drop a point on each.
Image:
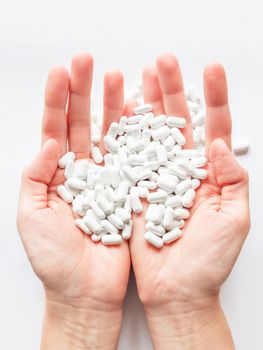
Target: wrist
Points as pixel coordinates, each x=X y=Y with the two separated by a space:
x=70 y=327
x=198 y=324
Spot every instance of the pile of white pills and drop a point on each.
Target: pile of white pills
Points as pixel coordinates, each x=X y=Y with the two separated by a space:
x=146 y=161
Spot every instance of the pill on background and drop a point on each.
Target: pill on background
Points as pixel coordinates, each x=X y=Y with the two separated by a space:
x=188 y=197
x=178 y=136
x=104 y=204
x=65 y=194
x=136 y=203
x=108 y=227
x=172 y=235
x=111 y=239
x=127 y=230
x=199 y=173
x=241 y=147
x=96 y=155
x=157 y=197
x=116 y=221
x=183 y=186
x=92 y=224
x=113 y=130
x=154 y=240
x=81 y=224
x=178 y=122
x=157 y=121
x=158 y=230
x=168 y=218
x=111 y=144
x=76 y=183
x=143 y=109
x=69 y=168
x=181 y=213
x=63 y=160
x=123 y=214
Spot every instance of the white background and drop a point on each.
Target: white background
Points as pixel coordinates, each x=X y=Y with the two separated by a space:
x=127 y=35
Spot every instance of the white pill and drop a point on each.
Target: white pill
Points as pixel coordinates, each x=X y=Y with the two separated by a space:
x=173 y=201
x=81 y=169
x=116 y=221
x=177 y=122
x=132 y=130
x=241 y=147
x=159 y=213
x=123 y=214
x=127 y=230
x=188 y=197
x=145 y=174
x=136 y=159
x=158 y=230
x=174 y=169
x=185 y=165
x=111 y=239
x=166 y=183
x=81 y=224
x=113 y=130
x=76 y=183
x=127 y=204
x=92 y=224
x=199 y=173
x=123 y=157
x=108 y=159
x=188 y=153
x=198 y=162
x=142 y=192
x=183 y=186
x=181 y=213
x=122 y=191
x=195 y=183
x=130 y=173
x=122 y=122
x=99 y=191
x=146 y=133
x=111 y=144
x=150 y=212
x=69 y=169
x=168 y=218
x=143 y=109
x=169 y=142
x=109 y=227
x=134 y=119
x=96 y=155
x=97 y=238
x=193 y=106
x=104 y=204
x=161 y=133
x=179 y=223
x=136 y=204
x=162 y=155
x=198 y=119
x=197 y=135
x=157 y=197
x=65 y=194
x=95 y=139
x=150 y=185
x=178 y=136
x=144 y=122
x=63 y=160
x=153 y=239
x=111 y=195
x=158 y=121
x=97 y=210
x=172 y=235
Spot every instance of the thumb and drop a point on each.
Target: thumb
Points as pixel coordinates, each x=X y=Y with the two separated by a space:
x=37 y=176
x=230 y=176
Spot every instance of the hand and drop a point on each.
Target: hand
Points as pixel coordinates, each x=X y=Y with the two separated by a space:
x=184 y=278
x=80 y=277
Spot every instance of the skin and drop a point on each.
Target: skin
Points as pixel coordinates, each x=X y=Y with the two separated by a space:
x=179 y=284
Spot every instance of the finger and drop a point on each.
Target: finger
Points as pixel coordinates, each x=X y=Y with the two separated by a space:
x=171 y=83
x=54 y=123
x=151 y=89
x=218 y=119
x=113 y=99
x=79 y=104
x=37 y=176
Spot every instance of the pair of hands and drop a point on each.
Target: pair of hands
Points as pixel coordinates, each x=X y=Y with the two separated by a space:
x=85 y=283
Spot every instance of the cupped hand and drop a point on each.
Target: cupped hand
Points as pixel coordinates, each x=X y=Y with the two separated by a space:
x=74 y=270
x=195 y=266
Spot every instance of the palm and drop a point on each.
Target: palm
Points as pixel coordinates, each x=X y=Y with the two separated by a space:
x=198 y=263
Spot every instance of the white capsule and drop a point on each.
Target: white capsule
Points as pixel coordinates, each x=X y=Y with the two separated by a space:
x=92 y=223
x=150 y=212
x=144 y=122
x=111 y=195
x=136 y=204
x=241 y=147
x=198 y=162
x=132 y=130
x=158 y=230
x=178 y=136
x=181 y=213
x=153 y=239
x=76 y=183
x=81 y=224
x=143 y=109
x=122 y=122
x=111 y=239
x=97 y=210
x=173 y=201
x=69 y=169
x=99 y=191
x=145 y=174
x=172 y=235
x=130 y=173
x=159 y=213
x=88 y=197
x=188 y=197
x=113 y=130
x=195 y=183
x=95 y=139
x=152 y=165
x=198 y=119
x=105 y=204
x=166 y=183
x=127 y=204
x=63 y=160
x=108 y=159
x=161 y=133
x=177 y=122
x=179 y=223
x=188 y=153
x=95 y=128
x=185 y=165
x=65 y=194
x=197 y=135
x=122 y=191
x=134 y=119
x=116 y=221
x=141 y=192
x=96 y=155
x=150 y=185
x=183 y=186
x=122 y=154
x=127 y=230
x=158 y=121
x=169 y=142
x=136 y=159
x=174 y=169
x=157 y=197
x=81 y=169
x=199 y=173
x=193 y=106
x=108 y=227
x=168 y=218
x=123 y=214
x=146 y=133
x=111 y=144
x=162 y=155
x=97 y=238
